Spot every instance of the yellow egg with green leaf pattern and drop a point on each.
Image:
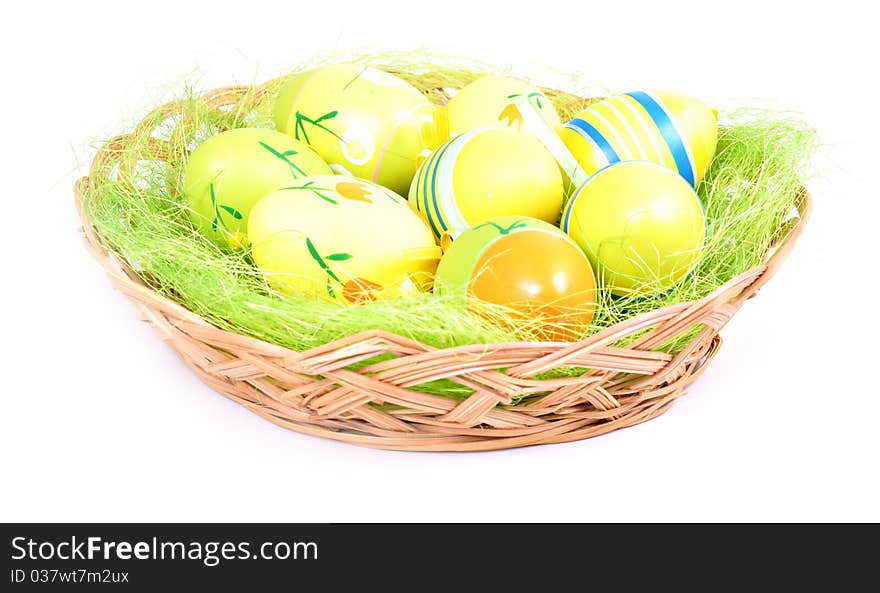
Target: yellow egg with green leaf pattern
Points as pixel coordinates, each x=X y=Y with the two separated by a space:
x=363 y=121
x=227 y=173
x=341 y=239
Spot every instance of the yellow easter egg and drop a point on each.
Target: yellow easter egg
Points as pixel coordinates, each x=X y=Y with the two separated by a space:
x=483 y=174
x=667 y=128
x=640 y=223
x=341 y=239
x=363 y=121
x=488 y=102
x=227 y=173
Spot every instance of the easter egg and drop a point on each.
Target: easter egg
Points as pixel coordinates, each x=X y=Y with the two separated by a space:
x=483 y=174
x=227 y=173
x=341 y=239
x=640 y=223
x=364 y=122
x=527 y=265
x=531 y=120
x=667 y=128
x=488 y=103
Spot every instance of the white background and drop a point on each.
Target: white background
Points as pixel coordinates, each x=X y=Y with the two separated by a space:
x=101 y=422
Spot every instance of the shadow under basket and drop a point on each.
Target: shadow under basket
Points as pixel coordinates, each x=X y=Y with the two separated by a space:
x=314 y=393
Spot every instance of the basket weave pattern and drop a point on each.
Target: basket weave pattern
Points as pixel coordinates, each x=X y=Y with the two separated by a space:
x=313 y=392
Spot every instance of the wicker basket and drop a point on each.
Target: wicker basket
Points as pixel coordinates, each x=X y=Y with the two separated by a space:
x=313 y=392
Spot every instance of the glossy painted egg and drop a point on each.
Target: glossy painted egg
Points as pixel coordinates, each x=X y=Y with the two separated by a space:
x=341 y=239
x=668 y=128
x=527 y=265
x=641 y=224
x=488 y=102
x=363 y=121
x=530 y=119
x=227 y=173
x=483 y=174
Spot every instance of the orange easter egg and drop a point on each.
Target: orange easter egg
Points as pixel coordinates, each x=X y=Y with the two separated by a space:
x=529 y=267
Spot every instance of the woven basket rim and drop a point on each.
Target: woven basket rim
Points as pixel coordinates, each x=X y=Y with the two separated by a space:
x=237 y=365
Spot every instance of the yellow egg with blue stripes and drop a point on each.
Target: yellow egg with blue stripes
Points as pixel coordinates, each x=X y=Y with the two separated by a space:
x=341 y=239
x=672 y=129
x=641 y=224
x=483 y=174
x=488 y=102
x=363 y=121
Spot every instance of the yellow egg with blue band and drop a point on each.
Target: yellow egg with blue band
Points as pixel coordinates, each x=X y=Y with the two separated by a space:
x=226 y=174
x=641 y=224
x=363 y=121
x=483 y=174
x=341 y=239
x=668 y=128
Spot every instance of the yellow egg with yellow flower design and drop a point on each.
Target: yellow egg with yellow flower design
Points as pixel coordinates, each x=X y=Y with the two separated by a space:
x=341 y=239
x=363 y=121
x=488 y=102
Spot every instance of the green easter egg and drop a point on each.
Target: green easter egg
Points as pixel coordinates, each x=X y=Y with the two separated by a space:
x=226 y=174
x=641 y=224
